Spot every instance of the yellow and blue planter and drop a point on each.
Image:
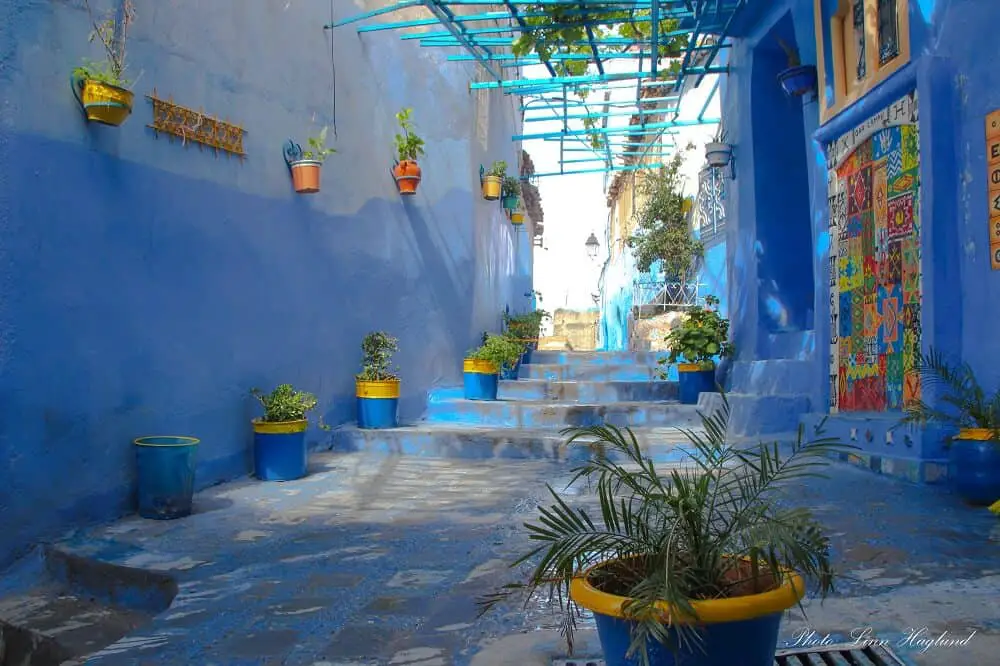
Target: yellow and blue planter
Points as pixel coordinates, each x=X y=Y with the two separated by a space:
x=974 y=466
x=694 y=379
x=279 y=450
x=378 y=403
x=102 y=102
x=517 y=218
x=481 y=379
x=165 y=471
x=740 y=630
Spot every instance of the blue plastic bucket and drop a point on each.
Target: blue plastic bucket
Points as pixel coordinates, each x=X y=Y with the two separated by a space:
x=165 y=469
x=279 y=450
x=481 y=386
x=691 y=383
x=746 y=643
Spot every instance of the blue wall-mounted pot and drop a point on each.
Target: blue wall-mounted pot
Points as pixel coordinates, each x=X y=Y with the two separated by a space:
x=974 y=466
x=279 y=450
x=165 y=469
x=797 y=81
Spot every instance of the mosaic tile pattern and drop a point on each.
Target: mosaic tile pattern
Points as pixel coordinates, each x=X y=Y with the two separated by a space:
x=875 y=272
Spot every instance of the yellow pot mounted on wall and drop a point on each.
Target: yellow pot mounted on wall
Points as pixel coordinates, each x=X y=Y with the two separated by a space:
x=102 y=102
x=517 y=217
x=491 y=187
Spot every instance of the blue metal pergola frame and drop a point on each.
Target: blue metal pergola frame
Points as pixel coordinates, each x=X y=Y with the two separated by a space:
x=485 y=29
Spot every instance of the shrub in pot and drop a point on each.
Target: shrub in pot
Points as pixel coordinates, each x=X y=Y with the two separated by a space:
x=305 y=165
x=482 y=366
x=702 y=336
x=526 y=329
x=510 y=192
x=409 y=147
x=100 y=87
x=974 y=453
x=492 y=181
x=279 y=445
x=681 y=568
x=377 y=386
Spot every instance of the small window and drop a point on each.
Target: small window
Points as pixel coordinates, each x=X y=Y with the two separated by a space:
x=859 y=61
x=888 y=31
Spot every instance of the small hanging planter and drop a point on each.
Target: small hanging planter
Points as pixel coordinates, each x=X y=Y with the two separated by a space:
x=798 y=79
x=406 y=172
x=510 y=191
x=492 y=180
x=100 y=87
x=718 y=154
x=517 y=217
x=305 y=165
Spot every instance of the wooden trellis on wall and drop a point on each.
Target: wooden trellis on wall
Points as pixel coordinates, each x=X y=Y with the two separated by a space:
x=195 y=126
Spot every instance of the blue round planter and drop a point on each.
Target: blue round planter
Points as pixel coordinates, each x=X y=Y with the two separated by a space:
x=691 y=383
x=974 y=470
x=279 y=450
x=510 y=374
x=526 y=356
x=378 y=413
x=481 y=386
x=745 y=643
x=165 y=469
x=797 y=81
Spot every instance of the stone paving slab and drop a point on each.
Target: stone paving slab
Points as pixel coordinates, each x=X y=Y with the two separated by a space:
x=559 y=415
x=378 y=560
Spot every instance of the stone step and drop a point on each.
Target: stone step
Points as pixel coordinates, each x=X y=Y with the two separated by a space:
x=555 y=415
x=620 y=372
x=587 y=392
x=595 y=358
x=662 y=445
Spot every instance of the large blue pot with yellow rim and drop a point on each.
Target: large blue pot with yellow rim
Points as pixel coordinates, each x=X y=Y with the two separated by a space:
x=279 y=450
x=740 y=630
x=974 y=466
x=693 y=379
x=378 y=403
x=481 y=379
x=165 y=471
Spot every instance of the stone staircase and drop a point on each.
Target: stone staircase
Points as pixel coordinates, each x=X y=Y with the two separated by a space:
x=557 y=389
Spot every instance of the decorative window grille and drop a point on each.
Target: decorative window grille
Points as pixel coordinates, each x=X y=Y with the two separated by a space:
x=858 y=15
x=888 y=31
x=710 y=213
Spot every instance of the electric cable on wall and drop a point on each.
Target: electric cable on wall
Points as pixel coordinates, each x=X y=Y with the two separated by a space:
x=333 y=65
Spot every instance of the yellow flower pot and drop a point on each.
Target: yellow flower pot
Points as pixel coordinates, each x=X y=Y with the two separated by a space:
x=491 y=187
x=517 y=217
x=103 y=102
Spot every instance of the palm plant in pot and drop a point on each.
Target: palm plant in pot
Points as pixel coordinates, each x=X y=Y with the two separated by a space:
x=797 y=79
x=101 y=87
x=279 y=443
x=409 y=148
x=305 y=165
x=510 y=192
x=492 y=180
x=681 y=567
x=377 y=386
x=702 y=336
x=962 y=403
x=482 y=366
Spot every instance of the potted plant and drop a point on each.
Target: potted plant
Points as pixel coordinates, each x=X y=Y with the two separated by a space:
x=165 y=471
x=492 y=180
x=526 y=329
x=409 y=147
x=101 y=87
x=681 y=568
x=702 y=335
x=798 y=79
x=377 y=387
x=974 y=453
x=305 y=165
x=718 y=153
x=510 y=192
x=483 y=366
x=279 y=443
x=517 y=217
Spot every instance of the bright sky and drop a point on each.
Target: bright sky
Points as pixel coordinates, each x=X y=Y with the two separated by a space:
x=576 y=205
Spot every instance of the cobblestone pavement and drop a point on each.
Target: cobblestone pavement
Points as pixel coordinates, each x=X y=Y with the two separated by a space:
x=379 y=560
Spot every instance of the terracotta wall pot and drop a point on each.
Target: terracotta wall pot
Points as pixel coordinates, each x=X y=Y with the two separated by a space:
x=407 y=175
x=305 y=176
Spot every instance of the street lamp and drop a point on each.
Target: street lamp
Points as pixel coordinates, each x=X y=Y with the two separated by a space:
x=592 y=246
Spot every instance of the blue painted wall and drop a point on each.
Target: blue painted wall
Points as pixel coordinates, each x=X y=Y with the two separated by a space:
x=952 y=46
x=145 y=287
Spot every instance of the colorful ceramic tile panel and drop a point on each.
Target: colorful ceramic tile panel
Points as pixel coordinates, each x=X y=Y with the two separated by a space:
x=875 y=271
